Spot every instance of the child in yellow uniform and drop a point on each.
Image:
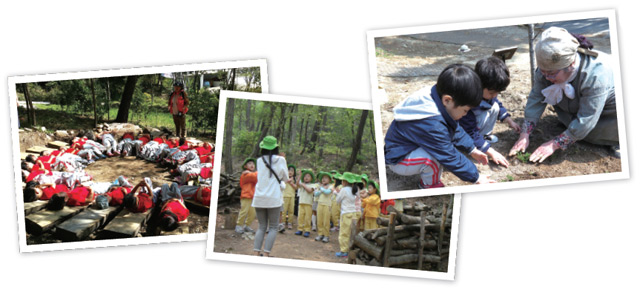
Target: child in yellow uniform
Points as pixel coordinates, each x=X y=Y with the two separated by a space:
x=305 y=194
x=371 y=205
x=335 y=207
x=323 y=192
x=248 y=181
x=288 y=197
x=361 y=184
x=347 y=200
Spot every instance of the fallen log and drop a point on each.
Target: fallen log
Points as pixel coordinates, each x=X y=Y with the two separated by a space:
x=42 y=221
x=82 y=225
x=390 y=233
x=368 y=246
x=384 y=221
x=383 y=239
x=413 y=242
x=412 y=258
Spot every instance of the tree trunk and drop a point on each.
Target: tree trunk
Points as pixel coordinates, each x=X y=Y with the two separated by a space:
x=93 y=97
x=321 y=142
x=265 y=129
x=358 y=141
x=108 y=101
x=31 y=114
x=125 y=101
x=293 y=121
x=371 y=128
x=228 y=134
x=248 y=120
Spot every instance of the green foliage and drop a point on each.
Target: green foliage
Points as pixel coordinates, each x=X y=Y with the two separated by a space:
x=523 y=156
x=203 y=109
x=382 y=53
x=244 y=141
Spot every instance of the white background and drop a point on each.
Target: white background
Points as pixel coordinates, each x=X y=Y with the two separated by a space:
x=575 y=236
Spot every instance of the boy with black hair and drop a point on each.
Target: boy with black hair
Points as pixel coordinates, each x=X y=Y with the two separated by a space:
x=424 y=135
x=479 y=122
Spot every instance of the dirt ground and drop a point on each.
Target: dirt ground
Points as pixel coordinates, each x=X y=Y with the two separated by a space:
x=408 y=63
x=107 y=170
x=288 y=245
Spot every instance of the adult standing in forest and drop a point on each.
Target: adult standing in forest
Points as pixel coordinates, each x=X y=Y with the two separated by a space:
x=267 y=200
x=578 y=82
x=178 y=107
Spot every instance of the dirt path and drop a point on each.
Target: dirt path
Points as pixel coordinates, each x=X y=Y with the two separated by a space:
x=287 y=245
x=290 y=246
x=408 y=63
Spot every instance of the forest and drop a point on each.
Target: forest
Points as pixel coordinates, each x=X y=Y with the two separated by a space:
x=139 y=99
x=317 y=137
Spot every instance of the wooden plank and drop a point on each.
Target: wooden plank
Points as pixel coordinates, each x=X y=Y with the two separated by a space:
x=196 y=207
x=183 y=229
x=42 y=221
x=57 y=144
x=390 y=232
x=37 y=149
x=423 y=217
x=82 y=225
x=23 y=155
x=34 y=206
x=126 y=224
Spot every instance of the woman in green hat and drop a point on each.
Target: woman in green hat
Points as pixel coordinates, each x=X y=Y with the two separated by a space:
x=346 y=198
x=267 y=200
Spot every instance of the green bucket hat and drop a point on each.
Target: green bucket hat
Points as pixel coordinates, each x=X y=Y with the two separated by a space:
x=365 y=177
x=323 y=173
x=338 y=176
x=350 y=177
x=375 y=184
x=269 y=143
x=307 y=171
x=333 y=172
x=291 y=165
x=247 y=160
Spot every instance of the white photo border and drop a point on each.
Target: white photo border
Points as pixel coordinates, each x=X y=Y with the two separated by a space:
x=210 y=254
x=13 y=80
x=377 y=101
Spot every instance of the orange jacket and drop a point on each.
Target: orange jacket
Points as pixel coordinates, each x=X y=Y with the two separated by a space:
x=371 y=206
x=248 y=184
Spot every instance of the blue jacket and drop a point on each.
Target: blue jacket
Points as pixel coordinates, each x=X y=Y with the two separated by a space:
x=422 y=121
x=470 y=124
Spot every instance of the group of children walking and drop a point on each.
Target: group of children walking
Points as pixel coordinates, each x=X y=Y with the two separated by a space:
x=323 y=199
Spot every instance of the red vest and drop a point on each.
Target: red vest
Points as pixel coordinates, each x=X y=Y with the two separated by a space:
x=177 y=208
x=180 y=97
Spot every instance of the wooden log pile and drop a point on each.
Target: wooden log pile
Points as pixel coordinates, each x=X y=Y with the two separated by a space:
x=419 y=239
x=229 y=189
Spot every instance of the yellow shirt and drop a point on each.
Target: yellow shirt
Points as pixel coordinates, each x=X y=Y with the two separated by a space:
x=325 y=199
x=305 y=197
x=289 y=191
x=371 y=206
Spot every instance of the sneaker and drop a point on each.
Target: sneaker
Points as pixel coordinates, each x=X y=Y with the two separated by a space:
x=319 y=238
x=290 y=227
x=491 y=138
x=426 y=186
x=325 y=239
x=334 y=229
x=306 y=234
x=615 y=151
x=248 y=229
x=341 y=254
x=281 y=228
x=239 y=230
x=298 y=233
